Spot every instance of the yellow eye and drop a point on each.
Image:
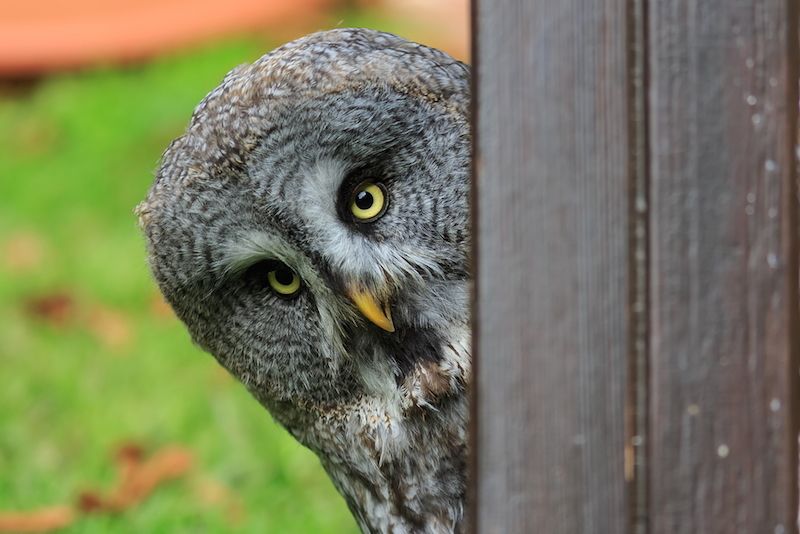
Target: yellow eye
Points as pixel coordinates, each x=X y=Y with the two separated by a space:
x=368 y=202
x=283 y=281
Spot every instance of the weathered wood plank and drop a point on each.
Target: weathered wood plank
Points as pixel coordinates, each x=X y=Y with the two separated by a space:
x=552 y=200
x=722 y=119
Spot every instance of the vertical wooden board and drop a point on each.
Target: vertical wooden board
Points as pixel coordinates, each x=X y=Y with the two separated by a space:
x=551 y=200
x=722 y=117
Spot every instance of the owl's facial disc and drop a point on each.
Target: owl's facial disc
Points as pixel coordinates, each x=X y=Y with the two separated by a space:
x=379 y=313
x=302 y=205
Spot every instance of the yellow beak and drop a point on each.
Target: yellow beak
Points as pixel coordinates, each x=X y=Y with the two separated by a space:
x=378 y=313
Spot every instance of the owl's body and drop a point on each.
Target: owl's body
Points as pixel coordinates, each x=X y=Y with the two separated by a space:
x=352 y=330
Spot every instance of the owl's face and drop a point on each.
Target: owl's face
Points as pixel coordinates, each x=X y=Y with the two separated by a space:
x=311 y=227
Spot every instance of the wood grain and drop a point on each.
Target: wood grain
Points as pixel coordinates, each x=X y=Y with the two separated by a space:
x=636 y=219
x=552 y=199
x=722 y=115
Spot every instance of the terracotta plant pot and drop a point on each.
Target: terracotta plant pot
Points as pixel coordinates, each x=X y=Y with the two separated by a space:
x=41 y=35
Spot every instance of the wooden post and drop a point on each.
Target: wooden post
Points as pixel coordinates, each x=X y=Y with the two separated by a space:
x=636 y=305
x=552 y=167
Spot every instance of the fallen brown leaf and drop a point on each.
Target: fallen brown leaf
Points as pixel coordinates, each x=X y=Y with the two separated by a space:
x=130 y=452
x=138 y=478
x=110 y=327
x=89 y=501
x=57 y=309
x=41 y=520
x=22 y=252
x=129 y=457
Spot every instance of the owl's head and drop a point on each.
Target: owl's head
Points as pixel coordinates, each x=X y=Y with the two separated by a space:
x=310 y=228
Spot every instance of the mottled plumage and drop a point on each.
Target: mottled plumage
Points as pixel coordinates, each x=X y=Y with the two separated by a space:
x=262 y=177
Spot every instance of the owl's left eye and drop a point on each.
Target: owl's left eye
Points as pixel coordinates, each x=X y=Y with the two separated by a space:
x=368 y=202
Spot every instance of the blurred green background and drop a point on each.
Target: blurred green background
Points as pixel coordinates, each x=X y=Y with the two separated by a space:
x=90 y=356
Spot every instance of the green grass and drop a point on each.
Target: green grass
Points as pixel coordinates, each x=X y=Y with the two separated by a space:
x=76 y=155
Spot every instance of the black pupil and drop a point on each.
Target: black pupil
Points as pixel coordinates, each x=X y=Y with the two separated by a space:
x=284 y=276
x=364 y=200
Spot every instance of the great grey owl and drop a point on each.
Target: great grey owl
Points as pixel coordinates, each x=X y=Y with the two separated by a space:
x=311 y=229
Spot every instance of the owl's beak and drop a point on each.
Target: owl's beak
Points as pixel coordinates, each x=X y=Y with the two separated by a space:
x=377 y=312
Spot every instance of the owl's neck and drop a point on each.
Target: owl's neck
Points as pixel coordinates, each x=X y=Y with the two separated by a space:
x=397 y=452
x=404 y=474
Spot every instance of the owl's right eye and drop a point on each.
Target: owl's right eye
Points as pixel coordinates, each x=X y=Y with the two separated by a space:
x=283 y=281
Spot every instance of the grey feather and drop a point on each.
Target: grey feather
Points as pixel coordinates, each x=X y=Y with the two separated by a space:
x=262 y=174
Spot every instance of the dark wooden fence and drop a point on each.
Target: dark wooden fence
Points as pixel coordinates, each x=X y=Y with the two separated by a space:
x=636 y=315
